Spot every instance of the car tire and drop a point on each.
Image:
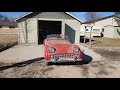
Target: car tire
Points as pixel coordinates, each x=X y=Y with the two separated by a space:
x=48 y=63
x=77 y=62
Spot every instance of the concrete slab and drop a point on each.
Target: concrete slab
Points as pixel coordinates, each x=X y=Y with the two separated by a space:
x=21 y=53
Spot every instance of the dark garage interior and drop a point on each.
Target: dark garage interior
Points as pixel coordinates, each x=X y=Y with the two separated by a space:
x=48 y=27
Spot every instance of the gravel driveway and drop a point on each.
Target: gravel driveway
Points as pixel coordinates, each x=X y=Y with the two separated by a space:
x=21 y=53
x=26 y=61
x=25 y=52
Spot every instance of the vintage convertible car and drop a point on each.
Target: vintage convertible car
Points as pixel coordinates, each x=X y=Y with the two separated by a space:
x=57 y=48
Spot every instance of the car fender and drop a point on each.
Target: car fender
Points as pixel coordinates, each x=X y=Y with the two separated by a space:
x=46 y=53
x=44 y=42
x=80 y=52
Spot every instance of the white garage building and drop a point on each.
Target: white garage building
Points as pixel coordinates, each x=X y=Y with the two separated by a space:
x=32 y=25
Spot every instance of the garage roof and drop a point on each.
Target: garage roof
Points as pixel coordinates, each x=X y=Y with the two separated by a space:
x=33 y=12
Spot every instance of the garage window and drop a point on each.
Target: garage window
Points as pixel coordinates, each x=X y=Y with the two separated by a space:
x=87 y=30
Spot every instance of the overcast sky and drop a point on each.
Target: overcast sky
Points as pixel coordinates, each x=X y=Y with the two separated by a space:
x=79 y=15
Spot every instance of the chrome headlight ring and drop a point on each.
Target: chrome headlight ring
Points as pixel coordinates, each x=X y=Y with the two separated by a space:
x=76 y=49
x=52 y=50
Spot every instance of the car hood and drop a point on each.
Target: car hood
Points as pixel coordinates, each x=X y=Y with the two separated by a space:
x=62 y=46
x=58 y=42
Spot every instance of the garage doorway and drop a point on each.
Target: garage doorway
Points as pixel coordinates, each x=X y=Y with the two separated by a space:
x=48 y=27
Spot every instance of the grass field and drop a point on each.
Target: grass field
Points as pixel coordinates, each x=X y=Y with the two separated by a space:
x=106 y=42
x=7 y=41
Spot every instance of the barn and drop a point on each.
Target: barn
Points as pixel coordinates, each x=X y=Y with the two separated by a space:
x=34 y=25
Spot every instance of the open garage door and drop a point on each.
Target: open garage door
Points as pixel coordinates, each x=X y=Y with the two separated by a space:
x=48 y=27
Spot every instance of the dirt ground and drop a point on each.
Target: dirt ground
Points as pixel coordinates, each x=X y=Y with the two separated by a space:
x=108 y=67
x=28 y=62
x=105 y=42
x=102 y=42
x=7 y=39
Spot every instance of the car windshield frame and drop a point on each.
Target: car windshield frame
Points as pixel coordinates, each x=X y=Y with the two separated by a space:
x=57 y=37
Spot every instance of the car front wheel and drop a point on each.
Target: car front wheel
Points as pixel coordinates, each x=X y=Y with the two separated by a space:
x=48 y=63
x=78 y=62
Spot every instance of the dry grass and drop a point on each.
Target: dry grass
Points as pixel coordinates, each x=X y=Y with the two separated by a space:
x=8 y=39
x=106 y=42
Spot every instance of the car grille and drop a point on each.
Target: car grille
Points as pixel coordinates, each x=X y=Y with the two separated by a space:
x=60 y=56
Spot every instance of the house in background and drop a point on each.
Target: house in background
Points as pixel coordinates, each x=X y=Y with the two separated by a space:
x=99 y=25
x=8 y=25
x=35 y=25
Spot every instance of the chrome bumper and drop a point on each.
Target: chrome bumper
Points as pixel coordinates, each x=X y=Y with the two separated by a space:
x=64 y=60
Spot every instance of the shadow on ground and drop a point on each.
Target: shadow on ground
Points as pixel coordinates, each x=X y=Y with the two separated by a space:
x=86 y=41
x=86 y=59
x=21 y=64
x=7 y=46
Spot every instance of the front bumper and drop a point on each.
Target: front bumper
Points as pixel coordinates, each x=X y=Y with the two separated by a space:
x=64 y=60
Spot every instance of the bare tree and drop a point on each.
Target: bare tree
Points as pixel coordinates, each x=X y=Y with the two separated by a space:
x=5 y=18
x=117 y=16
x=92 y=16
x=11 y=19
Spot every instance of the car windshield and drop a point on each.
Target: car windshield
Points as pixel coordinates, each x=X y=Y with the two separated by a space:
x=57 y=37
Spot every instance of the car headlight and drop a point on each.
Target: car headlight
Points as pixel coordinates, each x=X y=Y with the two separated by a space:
x=52 y=50
x=76 y=49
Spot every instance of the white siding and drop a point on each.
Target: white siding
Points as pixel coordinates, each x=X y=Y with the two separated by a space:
x=109 y=31
x=22 y=32
x=109 y=21
x=100 y=25
x=75 y=25
x=31 y=25
x=82 y=30
x=116 y=32
x=32 y=30
x=104 y=22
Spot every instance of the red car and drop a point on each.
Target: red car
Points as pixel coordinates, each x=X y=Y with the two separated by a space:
x=57 y=48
